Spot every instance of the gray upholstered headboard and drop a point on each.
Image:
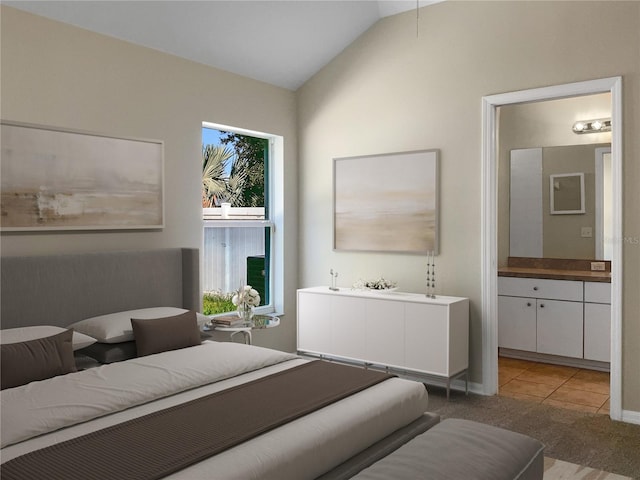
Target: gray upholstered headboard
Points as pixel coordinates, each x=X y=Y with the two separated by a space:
x=63 y=289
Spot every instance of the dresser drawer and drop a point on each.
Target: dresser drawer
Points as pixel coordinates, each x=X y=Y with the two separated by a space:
x=597 y=292
x=541 y=288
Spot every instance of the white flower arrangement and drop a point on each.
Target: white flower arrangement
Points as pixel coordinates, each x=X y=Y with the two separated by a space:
x=246 y=296
x=246 y=299
x=378 y=284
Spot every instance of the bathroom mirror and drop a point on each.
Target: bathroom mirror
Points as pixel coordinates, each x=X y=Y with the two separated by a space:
x=555 y=195
x=566 y=193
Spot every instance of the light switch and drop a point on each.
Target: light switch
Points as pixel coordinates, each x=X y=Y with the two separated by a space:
x=586 y=232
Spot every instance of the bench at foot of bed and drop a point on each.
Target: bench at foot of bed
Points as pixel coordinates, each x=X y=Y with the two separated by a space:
x=462 y=449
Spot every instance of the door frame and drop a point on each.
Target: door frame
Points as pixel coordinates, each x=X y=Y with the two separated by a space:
x=489 y=242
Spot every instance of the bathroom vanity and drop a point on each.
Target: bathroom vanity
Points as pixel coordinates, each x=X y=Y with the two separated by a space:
x=555 y=314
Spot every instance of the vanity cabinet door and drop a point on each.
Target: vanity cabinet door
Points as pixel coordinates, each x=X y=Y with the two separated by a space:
x=597 y=332
x=560 y=328
x=517 y=323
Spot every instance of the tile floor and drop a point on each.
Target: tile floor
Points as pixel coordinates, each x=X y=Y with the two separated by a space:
x=566 y=387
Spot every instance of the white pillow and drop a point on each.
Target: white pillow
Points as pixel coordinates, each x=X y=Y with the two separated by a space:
x=116 y=327
x=24 y=334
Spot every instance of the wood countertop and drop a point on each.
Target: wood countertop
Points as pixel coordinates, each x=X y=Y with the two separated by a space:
x=556 y=274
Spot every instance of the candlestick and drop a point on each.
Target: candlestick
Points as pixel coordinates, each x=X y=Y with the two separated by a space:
x=334 y=276
x=431 y=274
x=428 y=293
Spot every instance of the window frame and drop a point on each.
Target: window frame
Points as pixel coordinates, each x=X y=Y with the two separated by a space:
x=273 y=215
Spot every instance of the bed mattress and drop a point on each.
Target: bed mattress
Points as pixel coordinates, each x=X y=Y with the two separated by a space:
x=50 y=411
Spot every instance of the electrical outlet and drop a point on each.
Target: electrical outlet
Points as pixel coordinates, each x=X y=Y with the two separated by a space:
x=598 y=266
x=586 y=232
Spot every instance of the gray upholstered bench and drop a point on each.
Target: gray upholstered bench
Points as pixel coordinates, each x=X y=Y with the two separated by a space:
x=461 y=449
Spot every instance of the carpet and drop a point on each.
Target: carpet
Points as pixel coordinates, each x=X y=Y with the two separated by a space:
x=587 y=439
x=559 y=470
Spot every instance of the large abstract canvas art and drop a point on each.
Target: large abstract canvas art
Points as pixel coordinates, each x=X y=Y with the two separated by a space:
x=387 y=203
x=62 y=180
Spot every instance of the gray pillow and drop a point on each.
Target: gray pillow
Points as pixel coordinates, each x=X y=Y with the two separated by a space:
x=155 y=335
x=23 y=334
x=26 y=362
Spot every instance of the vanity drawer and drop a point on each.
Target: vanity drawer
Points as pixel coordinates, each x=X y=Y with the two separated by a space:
x=597 y=292
x=541 y=288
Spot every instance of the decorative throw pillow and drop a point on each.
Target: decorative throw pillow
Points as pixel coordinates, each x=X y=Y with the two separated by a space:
x=167 y=333
x=22 y=334
x=33 y=360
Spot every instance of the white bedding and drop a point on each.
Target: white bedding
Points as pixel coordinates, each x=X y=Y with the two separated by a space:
x=50 y=411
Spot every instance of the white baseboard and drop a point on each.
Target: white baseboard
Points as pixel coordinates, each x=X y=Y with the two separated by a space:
x=630 y=416
x=474 y=387
x=457 y=384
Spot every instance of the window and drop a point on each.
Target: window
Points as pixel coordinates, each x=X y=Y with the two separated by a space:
x=239 y=243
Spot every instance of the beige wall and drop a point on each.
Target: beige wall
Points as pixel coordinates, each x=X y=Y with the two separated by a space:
x=59 y=75
x=394 y=91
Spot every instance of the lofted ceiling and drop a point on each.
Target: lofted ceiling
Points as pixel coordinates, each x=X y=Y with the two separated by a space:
x=280 y=42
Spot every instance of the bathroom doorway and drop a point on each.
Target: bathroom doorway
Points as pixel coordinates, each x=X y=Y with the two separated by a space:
x=493 y=237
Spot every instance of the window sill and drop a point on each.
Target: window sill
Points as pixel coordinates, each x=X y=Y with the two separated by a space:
x=235 y=222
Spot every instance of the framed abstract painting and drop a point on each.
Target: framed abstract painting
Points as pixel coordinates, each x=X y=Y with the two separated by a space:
x=54 y=179
x=386 y=203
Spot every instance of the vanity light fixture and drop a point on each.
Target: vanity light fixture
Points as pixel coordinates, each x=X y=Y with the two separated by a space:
x=592 y=126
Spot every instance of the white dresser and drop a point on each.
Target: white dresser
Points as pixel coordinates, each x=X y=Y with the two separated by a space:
x=565 y=318
x=398 y=330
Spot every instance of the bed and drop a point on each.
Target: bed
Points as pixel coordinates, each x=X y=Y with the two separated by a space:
x=330 y=441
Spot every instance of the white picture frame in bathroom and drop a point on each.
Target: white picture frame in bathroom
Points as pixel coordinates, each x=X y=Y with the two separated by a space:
x=566 y=194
